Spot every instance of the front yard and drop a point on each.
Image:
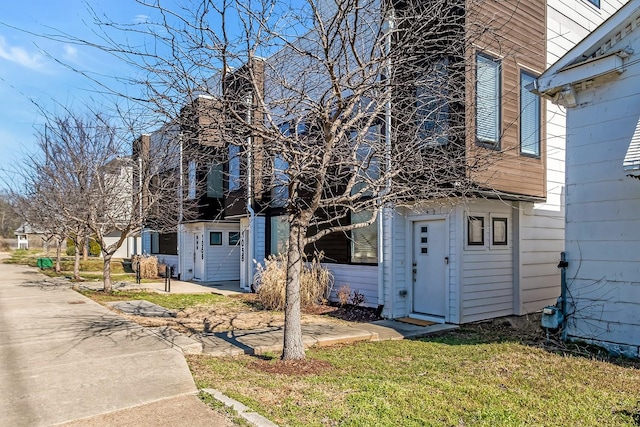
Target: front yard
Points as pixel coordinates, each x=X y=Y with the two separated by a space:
x=488 y=374
x=458 y=379
x=499 y=373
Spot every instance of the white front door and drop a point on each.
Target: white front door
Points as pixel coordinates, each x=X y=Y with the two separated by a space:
x=198 y=256
x=429 y=268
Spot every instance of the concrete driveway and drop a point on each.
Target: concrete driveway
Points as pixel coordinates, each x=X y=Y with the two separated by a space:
x=65 y=358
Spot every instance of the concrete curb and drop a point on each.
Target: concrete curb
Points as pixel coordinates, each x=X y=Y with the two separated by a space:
x=243 y=411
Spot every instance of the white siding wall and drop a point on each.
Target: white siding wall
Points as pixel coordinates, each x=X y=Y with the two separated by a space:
x=603 y=213
x=542 y=224
x=487 y=282
x=400 y=305
x=361 y=278
x=222 y=262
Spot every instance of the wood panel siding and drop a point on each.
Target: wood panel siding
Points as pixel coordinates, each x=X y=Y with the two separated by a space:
x=514 y=34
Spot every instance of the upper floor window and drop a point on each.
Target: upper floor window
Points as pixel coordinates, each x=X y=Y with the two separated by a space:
x=529 y=117
x=596 y=3
x=432 y=104
x=280 y=191
x=488 y=96
x=191 y=193
x=234 y=167
x=367 y=163
x=214 y=181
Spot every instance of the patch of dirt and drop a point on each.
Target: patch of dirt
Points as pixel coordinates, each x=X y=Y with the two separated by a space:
x=291 y=367
x=350 y=313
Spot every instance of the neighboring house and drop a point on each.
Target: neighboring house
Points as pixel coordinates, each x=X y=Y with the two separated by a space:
x=598 y=82
x=28 y=237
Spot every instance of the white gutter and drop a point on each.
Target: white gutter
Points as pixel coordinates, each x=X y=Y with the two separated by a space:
x=387 y=143
x=252 y=214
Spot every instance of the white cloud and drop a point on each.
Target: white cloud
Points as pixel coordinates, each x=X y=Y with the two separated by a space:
x=140 y=19
x=70 y=52
x=20 y=55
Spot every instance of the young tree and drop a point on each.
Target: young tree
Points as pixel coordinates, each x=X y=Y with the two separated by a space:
x=334 y=110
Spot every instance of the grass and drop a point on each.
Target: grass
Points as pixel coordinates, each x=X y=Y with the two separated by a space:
x=457 y=379
x=170 y=301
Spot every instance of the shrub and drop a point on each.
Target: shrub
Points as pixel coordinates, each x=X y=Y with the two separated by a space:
x=343 y=294
x=358 y=298
x=315 y=282
x=148 y=266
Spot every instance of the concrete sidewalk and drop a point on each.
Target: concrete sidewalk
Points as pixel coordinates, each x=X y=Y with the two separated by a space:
x=68 y=359
x=269 y=340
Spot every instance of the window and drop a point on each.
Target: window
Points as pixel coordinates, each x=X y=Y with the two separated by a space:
x=279 y=234
x=596 y=3
x=475 y=231
x=280 y=192
x=164 y=243
x=364 y=241
x=215 y=238
x=234 y=238
x=529 y=117
x=192 y=180
x=367 y=163
x=234 y=167
x=499 y=231
x=214 y=181
x=487 y=100
x=432 y=104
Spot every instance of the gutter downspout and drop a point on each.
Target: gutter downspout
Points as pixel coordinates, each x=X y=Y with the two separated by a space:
x=382 y=262
x=252 y=214
x=180 y=213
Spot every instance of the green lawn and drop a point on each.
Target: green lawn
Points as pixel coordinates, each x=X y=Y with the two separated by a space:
x=454 y=380
x=170 y=301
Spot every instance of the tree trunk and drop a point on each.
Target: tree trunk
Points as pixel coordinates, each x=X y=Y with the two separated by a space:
x=85 y=248
x=76 y=263
x=106 y=270
x=58 y=255
x=293 y=346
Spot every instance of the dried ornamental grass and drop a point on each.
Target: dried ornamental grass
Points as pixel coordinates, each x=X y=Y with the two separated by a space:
x=315 y=282
x=148 y=266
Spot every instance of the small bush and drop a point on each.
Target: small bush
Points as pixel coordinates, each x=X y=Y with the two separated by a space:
x=148 y=266
x=315 y=282
x=343 y=294
x=358 y=298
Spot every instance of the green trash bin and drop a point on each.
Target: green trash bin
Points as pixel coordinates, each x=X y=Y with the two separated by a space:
x=44 y=263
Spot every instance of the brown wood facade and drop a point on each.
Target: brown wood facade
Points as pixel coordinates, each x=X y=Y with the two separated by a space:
x=514 y=33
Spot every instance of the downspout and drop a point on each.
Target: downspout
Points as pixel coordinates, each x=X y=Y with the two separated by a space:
x=180 y=212
x=387 y=154
x=252 y=214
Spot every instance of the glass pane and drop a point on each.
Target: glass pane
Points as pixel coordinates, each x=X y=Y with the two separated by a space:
x=234 y=238
x=215 y=238
x=364 y=241
x=529 y=117
x=487 y=99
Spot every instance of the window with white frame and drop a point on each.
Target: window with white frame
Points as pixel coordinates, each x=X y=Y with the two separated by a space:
x=475 y=230
x=279 y=234
x=529 y=117
x=488 y=96
x=364 y=241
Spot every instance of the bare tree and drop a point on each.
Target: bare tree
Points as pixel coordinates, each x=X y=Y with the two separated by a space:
x=331 y=110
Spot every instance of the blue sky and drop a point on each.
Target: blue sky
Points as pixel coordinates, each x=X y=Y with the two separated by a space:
x=29 y=75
